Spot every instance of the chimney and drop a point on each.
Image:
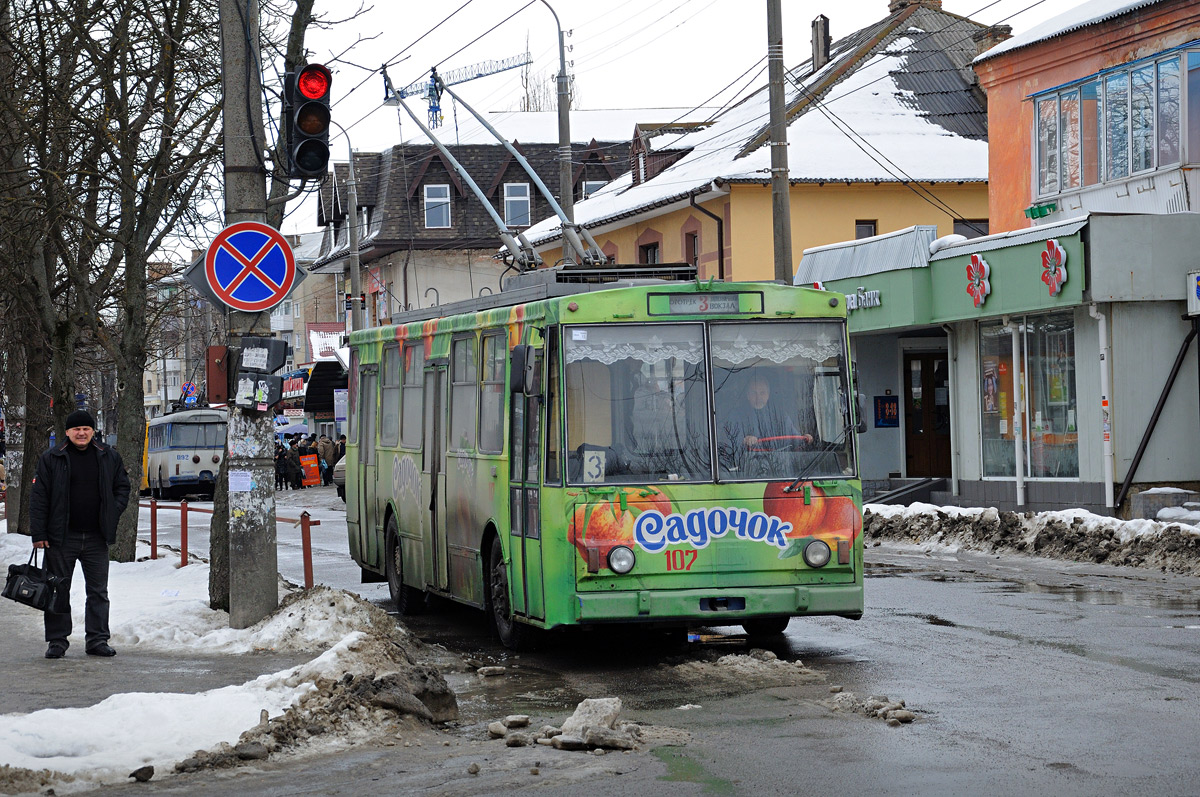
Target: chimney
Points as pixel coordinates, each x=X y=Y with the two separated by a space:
x=820 y=42
x=896 y=5
x=988 y=38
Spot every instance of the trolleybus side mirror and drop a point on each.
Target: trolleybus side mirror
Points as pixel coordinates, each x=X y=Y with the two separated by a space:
x=523 y=374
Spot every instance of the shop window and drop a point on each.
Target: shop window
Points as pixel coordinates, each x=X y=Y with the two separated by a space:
x=389 y=414
x=464 y=394
x=491 y=406
x=1047 y=367
x=414 y=371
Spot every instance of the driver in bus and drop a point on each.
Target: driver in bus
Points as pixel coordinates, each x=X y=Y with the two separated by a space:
x=756 y=425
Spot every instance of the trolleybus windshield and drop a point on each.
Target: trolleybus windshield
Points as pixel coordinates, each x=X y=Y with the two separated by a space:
x=638 y=401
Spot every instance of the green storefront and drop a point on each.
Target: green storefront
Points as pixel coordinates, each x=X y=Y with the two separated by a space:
x=1023 y=367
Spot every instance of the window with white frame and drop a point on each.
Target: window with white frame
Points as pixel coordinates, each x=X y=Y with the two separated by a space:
x=592 y=186
x=1116 y=124
x=516 y=204
x=437 y=206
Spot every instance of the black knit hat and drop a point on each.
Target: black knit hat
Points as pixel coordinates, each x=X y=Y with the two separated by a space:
x=79 y=418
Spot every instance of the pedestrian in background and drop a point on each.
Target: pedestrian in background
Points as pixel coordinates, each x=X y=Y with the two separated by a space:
x=341 y=448
x=78 y=495
x=280 y=466
x=295 y=471
x=326 y=449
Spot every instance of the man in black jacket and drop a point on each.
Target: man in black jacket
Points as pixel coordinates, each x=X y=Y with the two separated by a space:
x=78 y=495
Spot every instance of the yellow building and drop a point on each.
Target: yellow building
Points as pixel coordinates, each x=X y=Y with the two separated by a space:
x=886 y=129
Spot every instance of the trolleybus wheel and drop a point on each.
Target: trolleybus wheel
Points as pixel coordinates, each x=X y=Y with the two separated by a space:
x=765 y=626
x=407 y=599
x=513 y=635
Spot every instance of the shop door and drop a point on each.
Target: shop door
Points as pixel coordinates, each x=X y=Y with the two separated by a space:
x=926 y=414
x=435 y=461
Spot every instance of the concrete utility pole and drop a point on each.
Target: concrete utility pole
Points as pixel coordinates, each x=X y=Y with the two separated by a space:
x=356 y=317
x=253 y=559
x=566 y=189
x=781 y=206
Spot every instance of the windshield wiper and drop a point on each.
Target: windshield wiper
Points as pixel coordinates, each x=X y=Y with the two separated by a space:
x=825 y=449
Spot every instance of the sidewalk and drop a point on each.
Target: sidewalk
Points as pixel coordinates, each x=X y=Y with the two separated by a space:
x=33 y=682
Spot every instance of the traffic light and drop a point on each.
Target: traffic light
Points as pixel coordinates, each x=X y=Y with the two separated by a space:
x=306 y=120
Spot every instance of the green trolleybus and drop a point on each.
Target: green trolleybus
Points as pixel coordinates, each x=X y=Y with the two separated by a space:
x=632 y=451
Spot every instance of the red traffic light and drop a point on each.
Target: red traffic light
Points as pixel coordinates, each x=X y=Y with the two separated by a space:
x=313 y=81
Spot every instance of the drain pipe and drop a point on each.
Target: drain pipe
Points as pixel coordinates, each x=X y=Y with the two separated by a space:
x=720 y=236
x=1105 y=409
x=1018 y=426
x=952 y=345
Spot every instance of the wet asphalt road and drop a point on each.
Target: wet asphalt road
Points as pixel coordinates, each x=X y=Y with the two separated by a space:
x=1028 y=676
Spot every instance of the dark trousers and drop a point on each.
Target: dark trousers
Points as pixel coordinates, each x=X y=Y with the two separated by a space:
x=91 y=552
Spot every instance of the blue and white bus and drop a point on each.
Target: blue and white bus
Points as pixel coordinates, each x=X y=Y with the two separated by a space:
x=184 y=451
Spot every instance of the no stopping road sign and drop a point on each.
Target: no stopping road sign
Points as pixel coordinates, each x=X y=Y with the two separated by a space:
x=250 y=267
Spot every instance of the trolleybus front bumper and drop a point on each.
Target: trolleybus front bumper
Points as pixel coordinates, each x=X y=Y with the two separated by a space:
x=719 y=606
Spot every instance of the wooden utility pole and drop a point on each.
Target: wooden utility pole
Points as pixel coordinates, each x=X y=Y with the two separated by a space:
x=781 y=207
x=249 y=454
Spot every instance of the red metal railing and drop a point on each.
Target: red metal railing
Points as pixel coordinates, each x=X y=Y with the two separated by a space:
x=305 y=522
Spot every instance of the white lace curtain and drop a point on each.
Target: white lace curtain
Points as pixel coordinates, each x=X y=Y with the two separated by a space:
x=778 y=343
x=650 y=344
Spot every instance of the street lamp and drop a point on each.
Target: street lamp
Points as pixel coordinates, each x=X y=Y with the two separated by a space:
x=566 y=197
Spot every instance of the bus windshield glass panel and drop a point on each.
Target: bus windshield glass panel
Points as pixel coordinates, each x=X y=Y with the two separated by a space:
x=779 y=391
x=197 y=435
x=637 y=404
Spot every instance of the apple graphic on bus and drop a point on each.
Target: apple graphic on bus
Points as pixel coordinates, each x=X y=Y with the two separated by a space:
x=607 y=524
x=825 y=516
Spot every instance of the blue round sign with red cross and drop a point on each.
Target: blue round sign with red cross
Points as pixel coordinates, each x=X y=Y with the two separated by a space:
x=250 y=267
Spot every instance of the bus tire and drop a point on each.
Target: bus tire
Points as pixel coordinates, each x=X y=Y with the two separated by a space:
x=407 y=599
x=765 y=626
x=513 y=635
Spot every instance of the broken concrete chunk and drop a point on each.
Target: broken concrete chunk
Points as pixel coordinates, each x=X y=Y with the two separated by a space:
x=488 y=672
x=497 y=729
x=607 y=738
x=565 y=742
x=594 y=712
x=516 y=721
x=520 y=739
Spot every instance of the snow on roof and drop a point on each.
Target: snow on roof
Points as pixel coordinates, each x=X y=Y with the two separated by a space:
x=1091 y=12
x=541 y=127
x=867 y=101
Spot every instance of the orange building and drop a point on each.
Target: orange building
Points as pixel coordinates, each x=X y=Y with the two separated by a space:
x=1087 y=158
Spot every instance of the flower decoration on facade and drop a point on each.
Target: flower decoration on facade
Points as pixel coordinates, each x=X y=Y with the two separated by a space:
x=978 y=286
x=1054 y=266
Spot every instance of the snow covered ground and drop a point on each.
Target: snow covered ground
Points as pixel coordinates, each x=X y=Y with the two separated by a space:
x=157 y=605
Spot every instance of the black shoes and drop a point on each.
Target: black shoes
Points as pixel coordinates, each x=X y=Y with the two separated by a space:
x=55 y=652
x=99 y=650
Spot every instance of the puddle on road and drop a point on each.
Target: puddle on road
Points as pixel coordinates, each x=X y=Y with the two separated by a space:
x=1078 y=593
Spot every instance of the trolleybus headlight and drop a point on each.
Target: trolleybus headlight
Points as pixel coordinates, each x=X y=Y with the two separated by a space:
x=621 y=560
x=816 y=554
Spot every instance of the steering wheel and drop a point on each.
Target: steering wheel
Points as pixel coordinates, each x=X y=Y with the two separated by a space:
x=788 y=442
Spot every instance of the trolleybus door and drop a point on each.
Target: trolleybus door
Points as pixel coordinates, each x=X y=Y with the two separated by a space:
x=435 y=467
x=366 y=501
x=525 y=497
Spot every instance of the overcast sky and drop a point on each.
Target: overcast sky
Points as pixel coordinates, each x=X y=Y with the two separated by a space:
x=625 y=53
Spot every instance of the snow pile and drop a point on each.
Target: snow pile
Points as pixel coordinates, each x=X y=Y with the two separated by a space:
x=1075 y=534
x=760 y=668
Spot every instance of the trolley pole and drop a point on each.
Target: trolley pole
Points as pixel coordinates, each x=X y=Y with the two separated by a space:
x=253 y=559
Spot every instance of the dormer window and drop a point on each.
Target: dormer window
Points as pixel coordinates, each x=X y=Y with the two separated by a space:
x=1116 y=124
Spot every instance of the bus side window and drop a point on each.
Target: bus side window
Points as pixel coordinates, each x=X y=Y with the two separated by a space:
x=389 y=427
x=464 y=394
x=411 y=401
